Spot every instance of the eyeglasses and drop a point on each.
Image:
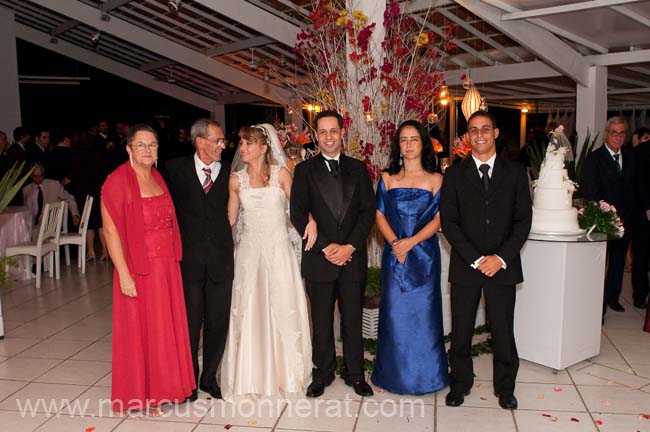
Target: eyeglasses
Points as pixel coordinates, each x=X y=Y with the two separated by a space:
x=219 y=141
x=141 y=146
x=617 y=134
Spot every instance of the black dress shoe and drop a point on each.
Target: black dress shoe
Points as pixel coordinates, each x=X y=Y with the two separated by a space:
x=455 y=399
x=508 y=402
x=362 y=388
x=616 y=306
x=315 y=389
x=640 y=304
x=212 y=390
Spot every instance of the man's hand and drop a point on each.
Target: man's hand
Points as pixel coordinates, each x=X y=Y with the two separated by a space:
x=338 y=254
x=647 y=214
x=489 y=265
x=75 y=220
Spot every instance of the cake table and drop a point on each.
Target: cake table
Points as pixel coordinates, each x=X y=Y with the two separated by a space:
x=559 y=305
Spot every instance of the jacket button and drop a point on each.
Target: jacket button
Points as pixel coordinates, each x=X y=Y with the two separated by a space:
x=487 y=221
x=487 y=202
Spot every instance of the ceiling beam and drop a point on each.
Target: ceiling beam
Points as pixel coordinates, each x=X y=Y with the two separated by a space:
x=510 y=72
x=542 y=43
x=214 y=52
x=552 y=27
x=79 y=11
x=485 y=38
x=413 y=6
x=573 y=7
x=632 y=14
x=105 y=7
x=255 y=18
x=121 y=70
x=619 y=58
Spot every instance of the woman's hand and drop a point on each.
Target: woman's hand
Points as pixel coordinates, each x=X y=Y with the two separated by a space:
x=311 y=233
x=402 y=247
x=127 y=285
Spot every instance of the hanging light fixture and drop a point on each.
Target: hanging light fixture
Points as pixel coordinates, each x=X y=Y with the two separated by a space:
x=444 y=95
x=472 y=100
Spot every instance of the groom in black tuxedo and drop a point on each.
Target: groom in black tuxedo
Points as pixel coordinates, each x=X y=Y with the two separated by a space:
x=199 y=187
x=485 y=211
x=337 y=191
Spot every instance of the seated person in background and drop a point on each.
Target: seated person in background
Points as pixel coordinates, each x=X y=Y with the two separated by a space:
x=43 y=191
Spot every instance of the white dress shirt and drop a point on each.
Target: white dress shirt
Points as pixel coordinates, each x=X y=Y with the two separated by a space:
x=215 y=167
x=619 y=153
x=336 y=158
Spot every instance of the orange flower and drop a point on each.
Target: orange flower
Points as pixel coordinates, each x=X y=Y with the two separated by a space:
x=437 y=147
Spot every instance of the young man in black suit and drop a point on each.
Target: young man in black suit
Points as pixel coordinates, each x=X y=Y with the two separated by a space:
x=337 y=191
x=199 y=187
x=485 y=210
x=608 y=174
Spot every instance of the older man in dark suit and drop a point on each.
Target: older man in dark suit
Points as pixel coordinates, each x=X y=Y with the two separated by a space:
x=608 y=175
x=486 y=213
x=199 y=187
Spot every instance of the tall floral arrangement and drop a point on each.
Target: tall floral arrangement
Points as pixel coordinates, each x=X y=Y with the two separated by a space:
x=375 y=86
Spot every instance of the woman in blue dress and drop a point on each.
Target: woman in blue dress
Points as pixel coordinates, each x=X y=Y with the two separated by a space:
x=411 y=356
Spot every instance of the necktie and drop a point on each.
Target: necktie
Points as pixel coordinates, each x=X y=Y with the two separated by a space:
x=484 y=168
x=618 y=162
x=207 y=183
x=334 y=166
x=39 y=205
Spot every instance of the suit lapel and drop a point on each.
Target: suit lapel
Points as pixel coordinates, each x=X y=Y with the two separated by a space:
x=348 y=185
x=498 y=175
x=322 y=178
x=472 y=175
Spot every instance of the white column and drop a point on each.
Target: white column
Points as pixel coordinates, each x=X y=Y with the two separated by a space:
x=591 y=105
x=9 y=95
x=218 y=114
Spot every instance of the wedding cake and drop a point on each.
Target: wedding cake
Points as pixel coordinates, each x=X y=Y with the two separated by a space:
x=553 y=211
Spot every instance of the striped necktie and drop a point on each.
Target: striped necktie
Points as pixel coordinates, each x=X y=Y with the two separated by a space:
x=617 y=161
x=207 y=183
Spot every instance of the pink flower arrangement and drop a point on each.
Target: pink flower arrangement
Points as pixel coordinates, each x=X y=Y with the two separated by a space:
x=600 y=217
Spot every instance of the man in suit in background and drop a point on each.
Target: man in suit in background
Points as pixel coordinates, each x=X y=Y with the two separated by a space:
x=486 y=212
x=199 y=187
x=17 y=152
x=337 y=191
x=608 y=175
x=37 y=150
x=46 y=191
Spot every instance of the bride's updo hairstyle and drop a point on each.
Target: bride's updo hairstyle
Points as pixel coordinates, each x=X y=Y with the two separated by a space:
x=259 y=135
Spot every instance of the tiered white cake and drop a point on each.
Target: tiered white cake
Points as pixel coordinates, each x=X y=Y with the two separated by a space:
x=553 y=211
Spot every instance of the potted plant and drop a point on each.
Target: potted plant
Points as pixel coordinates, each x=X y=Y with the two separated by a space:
x=372 y=295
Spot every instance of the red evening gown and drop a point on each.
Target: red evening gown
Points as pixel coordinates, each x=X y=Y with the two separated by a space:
x=646 y=327
x=152 y=363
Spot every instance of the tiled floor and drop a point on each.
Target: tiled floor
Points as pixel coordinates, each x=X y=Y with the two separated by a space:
x=57 y=351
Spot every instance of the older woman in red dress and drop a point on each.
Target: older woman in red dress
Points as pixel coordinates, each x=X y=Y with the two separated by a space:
x=152 y=363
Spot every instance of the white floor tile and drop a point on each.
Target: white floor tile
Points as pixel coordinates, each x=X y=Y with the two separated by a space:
x=66 y=423
x=466 y=419
x=559 y=421
x=137 y=425
x=616 y=376
x=610 y=399
x=16 y=422
x=642 y=370
x=25 y=369
x=622 y=422
x=54 y=349
x=9 y=387
x=387 y=416
x=76 y=372
x=220 y=428
x=99 y=351
x=12 y=346
x=37 y=397
x=264 y=413
x=321 y=415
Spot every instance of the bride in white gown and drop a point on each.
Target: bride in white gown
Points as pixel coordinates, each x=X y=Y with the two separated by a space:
x=268 y=351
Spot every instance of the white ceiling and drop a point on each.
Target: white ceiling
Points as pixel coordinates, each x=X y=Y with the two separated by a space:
x=517 y=51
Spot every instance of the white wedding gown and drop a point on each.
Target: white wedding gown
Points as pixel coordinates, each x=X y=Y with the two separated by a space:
x=268 y=351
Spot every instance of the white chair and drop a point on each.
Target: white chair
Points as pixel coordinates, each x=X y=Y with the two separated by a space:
x=50 y=229
x=79 y=238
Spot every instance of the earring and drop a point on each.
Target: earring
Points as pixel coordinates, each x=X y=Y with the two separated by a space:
x=401 y=159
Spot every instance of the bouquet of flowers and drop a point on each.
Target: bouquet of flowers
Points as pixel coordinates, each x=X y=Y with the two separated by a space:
x=462 y=147
x=600 y=217
x=290 y=136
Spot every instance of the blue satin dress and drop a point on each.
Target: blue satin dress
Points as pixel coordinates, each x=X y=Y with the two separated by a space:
x=411 y=356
